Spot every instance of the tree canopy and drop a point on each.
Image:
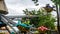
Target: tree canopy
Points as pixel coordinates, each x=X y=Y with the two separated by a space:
x=56 y=2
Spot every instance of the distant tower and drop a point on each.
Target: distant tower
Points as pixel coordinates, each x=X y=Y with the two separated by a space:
x=3 y=9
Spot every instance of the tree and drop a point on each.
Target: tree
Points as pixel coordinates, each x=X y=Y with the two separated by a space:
x=54 y=1
x=57 y=2
x=35 y=2
x=44 y=18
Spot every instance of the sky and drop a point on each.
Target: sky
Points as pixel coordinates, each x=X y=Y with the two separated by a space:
x=15 y=7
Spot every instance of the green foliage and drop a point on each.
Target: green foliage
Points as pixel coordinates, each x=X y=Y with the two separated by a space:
x=33 y=12
x=35 y=2
x=47 y=21
x=56 y=2
x=44 y=18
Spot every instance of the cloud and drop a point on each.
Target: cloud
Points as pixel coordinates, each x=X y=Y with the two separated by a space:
x=16 y=6
x=45 y=2
x=12 y=1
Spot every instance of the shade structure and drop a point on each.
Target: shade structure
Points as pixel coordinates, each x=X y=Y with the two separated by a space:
x=3 y=8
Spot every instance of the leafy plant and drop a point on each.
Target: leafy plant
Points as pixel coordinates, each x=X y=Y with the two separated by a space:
x=35 y=2
x=44 y=18
x=56 y=2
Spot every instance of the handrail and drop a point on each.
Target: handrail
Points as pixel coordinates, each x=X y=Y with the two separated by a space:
x=23 y=16
x=8 y=22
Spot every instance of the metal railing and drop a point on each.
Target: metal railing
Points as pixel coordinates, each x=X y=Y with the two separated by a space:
x=10 y=23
